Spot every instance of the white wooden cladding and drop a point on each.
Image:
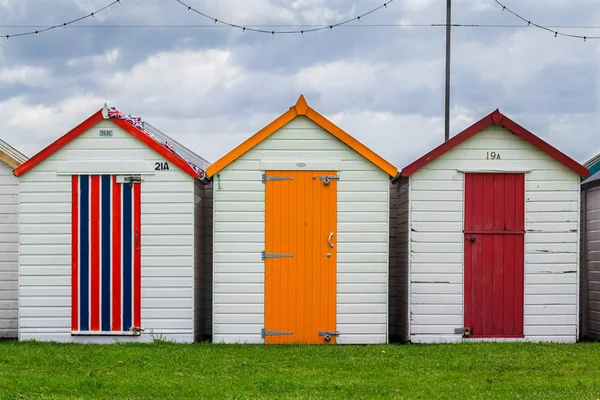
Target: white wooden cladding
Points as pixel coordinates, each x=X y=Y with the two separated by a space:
x=9 y=247
x=551 y=239
x=168 y=246
x=363 y=218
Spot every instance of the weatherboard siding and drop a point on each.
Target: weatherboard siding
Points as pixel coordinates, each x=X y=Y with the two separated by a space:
x=591 y=257
x=363 y=209
x=9 y=239
x=167 y=241
x=551 y=239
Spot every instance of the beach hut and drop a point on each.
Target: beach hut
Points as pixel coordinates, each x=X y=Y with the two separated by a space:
x=493 y=238
x=590 y=252
x=10 y=158
x=109 y=227
x=301 y=224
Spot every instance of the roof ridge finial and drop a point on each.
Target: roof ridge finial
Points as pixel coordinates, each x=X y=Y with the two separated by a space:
x=301 y=105
x=105 y=111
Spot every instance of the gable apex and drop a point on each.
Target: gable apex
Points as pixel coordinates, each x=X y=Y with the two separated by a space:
x=301 y=108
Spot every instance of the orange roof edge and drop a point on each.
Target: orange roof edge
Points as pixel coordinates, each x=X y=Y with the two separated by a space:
x=301 y=108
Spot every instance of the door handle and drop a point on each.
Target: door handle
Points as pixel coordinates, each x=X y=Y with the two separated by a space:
x=473 y=238
x=329 y=240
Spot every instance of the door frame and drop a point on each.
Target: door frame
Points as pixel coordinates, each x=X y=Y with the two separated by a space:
x=306 y=166
x=525 y=173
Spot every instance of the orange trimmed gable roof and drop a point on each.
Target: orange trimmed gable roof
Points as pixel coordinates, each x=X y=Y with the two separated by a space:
x=498 y=119
x=98 y=116
x=11 y=156
x=301 y=108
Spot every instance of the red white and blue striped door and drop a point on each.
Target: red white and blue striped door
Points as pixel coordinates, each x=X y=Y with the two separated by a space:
x=106 y=256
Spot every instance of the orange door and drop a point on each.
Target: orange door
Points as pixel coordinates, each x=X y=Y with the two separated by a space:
x=300 y=256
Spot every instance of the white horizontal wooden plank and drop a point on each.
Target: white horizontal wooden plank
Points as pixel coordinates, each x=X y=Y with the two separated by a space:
x=361 y=268
x=553 y=217
x=436 y=258
x=428 y=298
x=422 y=247
x=352 y=319
x=552 y=299
x=361 y=298
x=348 y=329
x=437 y=330
x=234 y=226
x=548 y=289
x=435 y=288
x=437 y=268
x=239 y=309
x=369 y=247
x=241 y=205
x=453 y=196
x=358 y=278
x=362 y=226
x=547 y=258
x=552 y=330
x=434 y=320
x=240 y=318
x=351 y=186
x=233 y=268
x=239 y=216
x=358 y=309
x=437 y=206
x=239 y=277
x=243 y=329
x=362 y=257
x=360 y=339
x=440 y=227
x=552 y=279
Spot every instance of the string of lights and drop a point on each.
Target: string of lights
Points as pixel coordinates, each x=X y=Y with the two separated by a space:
x=63 y=25
x=545 y=28
x=272 y=32
x=353 y=26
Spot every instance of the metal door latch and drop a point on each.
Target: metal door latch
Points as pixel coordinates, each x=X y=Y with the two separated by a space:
x=328 y=178
x=266 y=178
x=266 y=255
x=465 y=332
x=264 y=333
x=327 y=335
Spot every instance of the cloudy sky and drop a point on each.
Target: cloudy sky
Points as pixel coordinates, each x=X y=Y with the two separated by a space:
x=212 y=87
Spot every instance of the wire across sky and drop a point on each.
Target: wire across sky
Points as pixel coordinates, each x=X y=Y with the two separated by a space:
x=272 y=32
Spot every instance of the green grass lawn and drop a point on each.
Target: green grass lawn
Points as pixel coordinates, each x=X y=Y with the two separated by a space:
x=163 y=370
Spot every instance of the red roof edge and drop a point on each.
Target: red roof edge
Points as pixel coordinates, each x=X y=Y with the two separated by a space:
x=89 y=123
x=496 y=118
x=59 y=143
x=154 y=145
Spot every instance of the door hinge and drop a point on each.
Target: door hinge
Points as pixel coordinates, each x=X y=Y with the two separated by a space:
x=266 y=255
x=264 y=333
x=465 y=332
x=266 y=178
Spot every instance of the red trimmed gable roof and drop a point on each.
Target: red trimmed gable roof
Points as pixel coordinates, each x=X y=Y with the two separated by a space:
x=498 y=119
x=88 y=124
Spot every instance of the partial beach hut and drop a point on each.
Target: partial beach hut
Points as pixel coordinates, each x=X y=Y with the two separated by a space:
x=301 y=224
x=10 y=158
x=590 y=252
x=109 y=243
x=493 y=238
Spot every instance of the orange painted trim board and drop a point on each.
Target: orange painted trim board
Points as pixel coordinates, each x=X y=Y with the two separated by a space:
x=301 y=108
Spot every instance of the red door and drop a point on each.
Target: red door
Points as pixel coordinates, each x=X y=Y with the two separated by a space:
x=494 y=237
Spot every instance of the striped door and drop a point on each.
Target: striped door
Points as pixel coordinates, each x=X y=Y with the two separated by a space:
x=106 y=257
x=300 y=281
x=494 y=236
